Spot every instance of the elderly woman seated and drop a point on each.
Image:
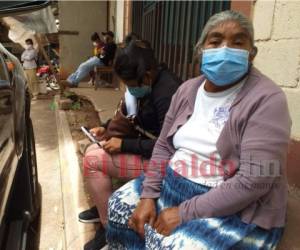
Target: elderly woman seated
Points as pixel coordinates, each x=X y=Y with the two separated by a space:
x=216 y=179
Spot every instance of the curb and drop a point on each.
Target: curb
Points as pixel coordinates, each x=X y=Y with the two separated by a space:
x=76 y=234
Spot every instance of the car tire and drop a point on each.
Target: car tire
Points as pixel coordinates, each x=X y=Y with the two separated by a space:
x=32 y=165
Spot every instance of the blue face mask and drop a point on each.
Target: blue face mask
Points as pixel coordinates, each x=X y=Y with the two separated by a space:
x=139 y=92
x=224 y=66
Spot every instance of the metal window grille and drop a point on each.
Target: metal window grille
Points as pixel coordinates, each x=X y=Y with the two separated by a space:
x=173 y=28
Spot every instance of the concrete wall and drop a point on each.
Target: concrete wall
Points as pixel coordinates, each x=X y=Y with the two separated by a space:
x=116 y=19
x=85 y=17
x=119 y=21
x=112 y=16
x=277 y=35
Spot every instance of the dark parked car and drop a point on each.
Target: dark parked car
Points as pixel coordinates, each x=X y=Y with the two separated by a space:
x=20 y=195
x=19 y=188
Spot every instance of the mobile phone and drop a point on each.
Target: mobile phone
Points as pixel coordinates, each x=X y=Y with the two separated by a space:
x=90 y=136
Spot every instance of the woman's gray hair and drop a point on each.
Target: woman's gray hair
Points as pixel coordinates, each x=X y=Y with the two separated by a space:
x=221 y=17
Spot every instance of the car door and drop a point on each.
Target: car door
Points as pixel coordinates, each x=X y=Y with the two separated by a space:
x=7 y=149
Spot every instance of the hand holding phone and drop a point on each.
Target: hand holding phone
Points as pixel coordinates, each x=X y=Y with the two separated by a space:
x=97 y=131
x=90 y=136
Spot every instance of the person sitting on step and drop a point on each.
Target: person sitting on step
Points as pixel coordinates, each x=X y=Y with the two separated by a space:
x=103 y=54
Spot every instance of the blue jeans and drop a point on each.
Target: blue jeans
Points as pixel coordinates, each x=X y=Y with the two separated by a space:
x=84 y=69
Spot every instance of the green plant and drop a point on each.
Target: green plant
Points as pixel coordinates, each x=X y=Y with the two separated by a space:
x=53 y=105
x=76 y=106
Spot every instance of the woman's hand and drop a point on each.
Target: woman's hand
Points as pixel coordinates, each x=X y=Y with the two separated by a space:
x=145 y=212
x=167 y=221
x=113 y=145
x=97 y=132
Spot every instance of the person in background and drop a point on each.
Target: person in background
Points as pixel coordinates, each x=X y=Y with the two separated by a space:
x=149 y=86
x=97 y=43
x=29 y=58
x=217 y=175
x=98 y=46
x=103 y=55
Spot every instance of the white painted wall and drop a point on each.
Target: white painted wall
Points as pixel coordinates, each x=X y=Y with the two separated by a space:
x=119 y=21
x=116 y=19
x=277 y=35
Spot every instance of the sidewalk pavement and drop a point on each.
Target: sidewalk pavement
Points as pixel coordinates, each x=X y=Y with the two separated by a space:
x=105 y=100
x=74 y=197
x=51 y=235
x=63 y=193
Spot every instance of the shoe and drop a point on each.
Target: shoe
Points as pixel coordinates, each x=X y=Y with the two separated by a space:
x=54 y=86
x=98 y=242
x=89 y=216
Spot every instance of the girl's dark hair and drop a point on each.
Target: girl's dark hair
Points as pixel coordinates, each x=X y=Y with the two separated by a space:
x=134 y=61
x=29 y=40
x=95 y=37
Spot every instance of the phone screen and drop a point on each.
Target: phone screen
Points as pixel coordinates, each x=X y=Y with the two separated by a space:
x=90 y=136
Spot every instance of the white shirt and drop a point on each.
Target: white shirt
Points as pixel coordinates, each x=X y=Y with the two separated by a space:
x=196 y=157
x=131 y=104
x=28 y=58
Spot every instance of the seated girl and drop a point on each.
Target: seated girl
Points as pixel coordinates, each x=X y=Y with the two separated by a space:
x=151 y=87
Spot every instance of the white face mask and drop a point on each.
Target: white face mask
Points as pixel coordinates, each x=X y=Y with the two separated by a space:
x=95 y=44
x=28 y=46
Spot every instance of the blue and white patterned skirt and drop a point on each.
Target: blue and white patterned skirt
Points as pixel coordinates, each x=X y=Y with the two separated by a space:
x=212 y=233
